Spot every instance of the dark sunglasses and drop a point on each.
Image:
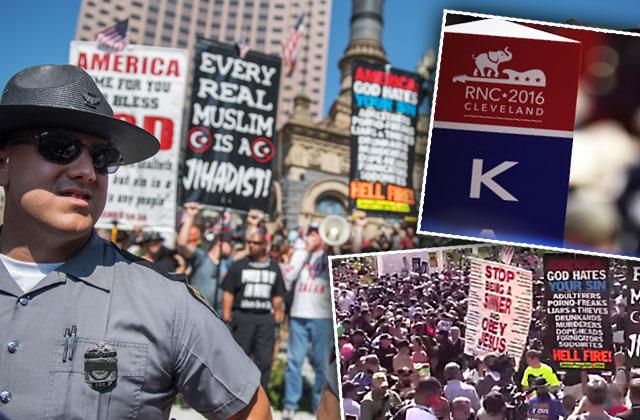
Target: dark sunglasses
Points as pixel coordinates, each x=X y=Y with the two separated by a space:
x=63 y=149
x=255 y=242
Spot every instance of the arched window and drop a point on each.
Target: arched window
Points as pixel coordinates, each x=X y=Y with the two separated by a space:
x=324 y=197
x=330 y=204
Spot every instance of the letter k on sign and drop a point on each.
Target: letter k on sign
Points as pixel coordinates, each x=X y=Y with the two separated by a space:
x=478 y=178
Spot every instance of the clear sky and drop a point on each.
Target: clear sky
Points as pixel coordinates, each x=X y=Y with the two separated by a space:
x=35 y=32
x=411 y=27
x=39 y=31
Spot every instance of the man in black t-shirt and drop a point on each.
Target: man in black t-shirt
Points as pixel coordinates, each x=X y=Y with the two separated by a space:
x=252 y=303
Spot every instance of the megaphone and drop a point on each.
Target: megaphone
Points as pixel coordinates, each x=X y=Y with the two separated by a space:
x=334 y=230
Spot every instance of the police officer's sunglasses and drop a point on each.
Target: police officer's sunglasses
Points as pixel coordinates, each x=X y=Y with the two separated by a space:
x=62 y=148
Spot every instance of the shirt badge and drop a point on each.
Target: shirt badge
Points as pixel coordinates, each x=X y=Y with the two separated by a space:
x=101 y=367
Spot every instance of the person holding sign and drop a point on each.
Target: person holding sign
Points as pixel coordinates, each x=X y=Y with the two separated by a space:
x=208 y=267
x=93 y=331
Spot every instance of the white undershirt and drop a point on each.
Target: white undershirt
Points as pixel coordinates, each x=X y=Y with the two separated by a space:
x=26 y=274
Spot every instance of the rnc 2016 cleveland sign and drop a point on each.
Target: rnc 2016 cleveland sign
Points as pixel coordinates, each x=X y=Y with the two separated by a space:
x=500 y=146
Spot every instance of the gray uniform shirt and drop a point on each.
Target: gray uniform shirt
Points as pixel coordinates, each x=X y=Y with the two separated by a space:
x=166 y=342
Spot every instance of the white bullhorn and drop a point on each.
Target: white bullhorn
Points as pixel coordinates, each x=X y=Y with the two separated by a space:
x=334 y=230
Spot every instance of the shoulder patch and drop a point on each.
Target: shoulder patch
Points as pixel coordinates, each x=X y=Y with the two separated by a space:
x=196 y=294
x=137 y=260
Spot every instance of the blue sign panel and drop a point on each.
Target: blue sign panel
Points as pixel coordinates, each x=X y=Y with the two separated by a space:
x=509 y=187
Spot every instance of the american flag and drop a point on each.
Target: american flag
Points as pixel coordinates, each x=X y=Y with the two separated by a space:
x=290 y=45
x=243 y=46
x=506 y=254
x=114 y=38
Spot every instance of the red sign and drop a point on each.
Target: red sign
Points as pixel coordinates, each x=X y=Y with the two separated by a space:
x=508 y=81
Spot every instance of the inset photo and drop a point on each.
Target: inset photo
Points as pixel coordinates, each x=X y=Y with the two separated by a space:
x=534 y=135
x=486 y=332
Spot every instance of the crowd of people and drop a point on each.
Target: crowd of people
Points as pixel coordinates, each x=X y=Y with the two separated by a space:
x=251 y=272
x=402 y=351
x=260 y=276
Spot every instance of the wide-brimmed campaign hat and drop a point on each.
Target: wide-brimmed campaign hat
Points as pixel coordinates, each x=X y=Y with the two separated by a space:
x=65 y=96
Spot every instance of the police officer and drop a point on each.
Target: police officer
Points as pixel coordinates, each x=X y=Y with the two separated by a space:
x=87 y=330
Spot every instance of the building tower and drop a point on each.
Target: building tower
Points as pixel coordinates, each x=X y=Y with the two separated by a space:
x=365 y=43
x=313 y=160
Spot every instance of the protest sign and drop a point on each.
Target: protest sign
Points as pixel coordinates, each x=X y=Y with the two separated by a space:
x=434 y=266
x=145 y=86
x=500 y=306
x=384 y=106
x=500 y=144
x=416 y=264
x=232 y=128
x=578 y=333
x=396 y=262
x=632 y=325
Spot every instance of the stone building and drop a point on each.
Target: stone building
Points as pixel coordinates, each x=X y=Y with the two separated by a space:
x=313 y=160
